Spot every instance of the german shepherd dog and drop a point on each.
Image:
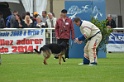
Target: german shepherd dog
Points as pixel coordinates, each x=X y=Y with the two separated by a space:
x=58 y=50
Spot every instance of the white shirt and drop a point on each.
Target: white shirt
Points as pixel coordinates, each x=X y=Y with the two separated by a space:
x=49 y=22
x=88 y=29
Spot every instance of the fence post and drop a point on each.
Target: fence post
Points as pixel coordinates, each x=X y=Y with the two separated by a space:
x=0 y=59
x=51 y=35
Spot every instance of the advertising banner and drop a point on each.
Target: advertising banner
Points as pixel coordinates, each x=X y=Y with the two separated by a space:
x=21 y=40
x=116 y=42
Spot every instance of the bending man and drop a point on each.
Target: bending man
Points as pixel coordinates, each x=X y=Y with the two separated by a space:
x=92 y=34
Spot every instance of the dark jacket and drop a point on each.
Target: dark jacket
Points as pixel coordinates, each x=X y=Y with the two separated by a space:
x=16 y=24
x=111 y=23
x=2 y=23
x=12 y=21
x=28 y=26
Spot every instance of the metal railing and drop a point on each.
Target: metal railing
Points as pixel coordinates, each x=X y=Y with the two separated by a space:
x=118 y=29
x=50 y=35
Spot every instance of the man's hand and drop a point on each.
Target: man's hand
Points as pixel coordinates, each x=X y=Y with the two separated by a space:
x=77 y=41
x=108 y=26
x=57 y=37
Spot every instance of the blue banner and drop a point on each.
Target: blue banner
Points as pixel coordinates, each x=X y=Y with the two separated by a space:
x=85 y=9
x=116 y=42
x=116 y=38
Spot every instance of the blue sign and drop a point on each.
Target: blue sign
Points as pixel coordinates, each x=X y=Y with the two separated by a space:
x=116 y=42
x=85 y=9
x=116 y=38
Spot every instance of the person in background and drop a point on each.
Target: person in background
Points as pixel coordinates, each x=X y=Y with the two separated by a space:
x=51 y=21
x=13 y=18
x=19 y=23
x=2 y=22
x=28 y=13
x=28 y=22
x=44 y=16
x=35 y=15
x=23 y=16
x=39 y=22
x=64 y=29
x=110 y=22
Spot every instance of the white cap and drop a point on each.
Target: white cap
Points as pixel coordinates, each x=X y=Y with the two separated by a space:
x=50 y=13
x=109 y=15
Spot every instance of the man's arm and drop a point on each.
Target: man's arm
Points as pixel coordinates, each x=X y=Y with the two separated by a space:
x=114 y=24
x=72 y=31
x=3 y=23
x=81 y=38
x=57 y=30
x=12 y=22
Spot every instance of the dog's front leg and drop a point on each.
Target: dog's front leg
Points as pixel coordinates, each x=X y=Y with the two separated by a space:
x=60 y=57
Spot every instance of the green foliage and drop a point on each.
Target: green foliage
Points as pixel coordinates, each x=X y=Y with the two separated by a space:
x=104 y=29
x=29 y=68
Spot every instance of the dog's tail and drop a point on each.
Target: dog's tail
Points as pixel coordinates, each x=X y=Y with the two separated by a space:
x=38 y=51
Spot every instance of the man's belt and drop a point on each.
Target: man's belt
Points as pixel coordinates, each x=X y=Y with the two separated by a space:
x=93 y=35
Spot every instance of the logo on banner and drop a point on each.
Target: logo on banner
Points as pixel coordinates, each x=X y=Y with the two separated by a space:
x=74 y=10
x=116 y=38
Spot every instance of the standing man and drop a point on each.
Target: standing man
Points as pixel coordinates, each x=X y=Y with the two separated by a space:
x=64 y=29
x=51 y=21
x=110 y=22
x=44 y=16
x=13 y=18
x=93 y=35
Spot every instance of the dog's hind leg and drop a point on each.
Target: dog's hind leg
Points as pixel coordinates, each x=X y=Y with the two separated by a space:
x=45 y=63
x=63 y=52
x=60 y=57
x=46 y=55
x=63 y=59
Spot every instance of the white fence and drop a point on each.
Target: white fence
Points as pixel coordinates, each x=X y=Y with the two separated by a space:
x=49 y=37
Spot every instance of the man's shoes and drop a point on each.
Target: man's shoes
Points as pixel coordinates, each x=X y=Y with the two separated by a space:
x=56 y=58
x=80 y=64
x=93 y=64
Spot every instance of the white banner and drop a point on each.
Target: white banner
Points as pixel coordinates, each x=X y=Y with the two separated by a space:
x=115 y=47
x=21 y=40
x=12 y=1
x=116 y=42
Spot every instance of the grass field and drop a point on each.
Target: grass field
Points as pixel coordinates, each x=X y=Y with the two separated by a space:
x=29 y=68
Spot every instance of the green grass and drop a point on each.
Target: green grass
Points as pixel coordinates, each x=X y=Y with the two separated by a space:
x=29 y=68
